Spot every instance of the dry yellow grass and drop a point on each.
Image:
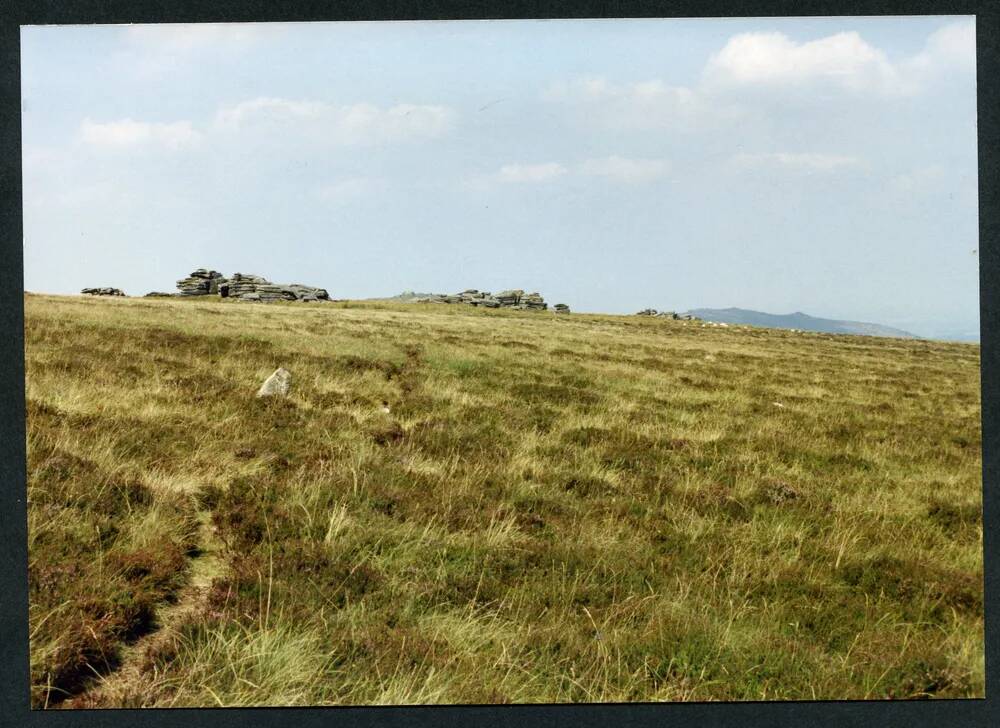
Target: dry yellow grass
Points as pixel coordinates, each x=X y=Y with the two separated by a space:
x=556 y=508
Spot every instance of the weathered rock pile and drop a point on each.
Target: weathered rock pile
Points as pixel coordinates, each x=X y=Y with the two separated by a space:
x=247 y=287
x=102 y=292
x=243 y=287
x=561 y=308
x=533 y=300
x=200 y=283
x=667 y=314
x=515 y=299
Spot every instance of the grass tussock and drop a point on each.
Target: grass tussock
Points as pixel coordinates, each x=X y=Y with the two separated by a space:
x=555 y=508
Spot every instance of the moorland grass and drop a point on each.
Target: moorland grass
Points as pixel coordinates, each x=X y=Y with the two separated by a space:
x=556 y=508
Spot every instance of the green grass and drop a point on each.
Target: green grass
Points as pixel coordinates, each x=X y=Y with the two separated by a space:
x=557 y=508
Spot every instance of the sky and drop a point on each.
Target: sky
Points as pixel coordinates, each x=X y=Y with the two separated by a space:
x=823 y=165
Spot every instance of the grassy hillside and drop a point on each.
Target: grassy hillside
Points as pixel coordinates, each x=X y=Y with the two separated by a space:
x=555 y=508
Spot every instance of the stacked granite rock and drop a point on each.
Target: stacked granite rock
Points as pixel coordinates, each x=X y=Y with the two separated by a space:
x=509 y=298
x=102 y=292
x=241 y=284
x=248 y=287
x=561 y=308
x=201 y=282
x=533 y=301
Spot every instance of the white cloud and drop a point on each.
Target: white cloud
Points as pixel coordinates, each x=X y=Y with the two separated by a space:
x=952 y=47
x=127 y=134
x=764 y=60
x=650 y=104
x=844 y=60
x=314 y=121
x=623 y=169
x=263 y=108
x=361 y=123
x=800 y=162
x=531 y=172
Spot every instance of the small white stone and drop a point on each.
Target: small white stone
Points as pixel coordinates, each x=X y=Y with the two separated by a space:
x=278 y=384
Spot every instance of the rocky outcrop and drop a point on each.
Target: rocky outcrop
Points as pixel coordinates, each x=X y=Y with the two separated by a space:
x=246 y=287
x=533 y=301
x=515 y=299
x=201 y=282
x=102 y=292
x=667 y=314
x=561 y=308
x=242 y=284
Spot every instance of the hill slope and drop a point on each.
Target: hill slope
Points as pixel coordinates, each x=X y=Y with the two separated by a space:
x=555 y=508
x=797 y=320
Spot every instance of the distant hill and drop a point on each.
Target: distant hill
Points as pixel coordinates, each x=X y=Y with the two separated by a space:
x=797 y=320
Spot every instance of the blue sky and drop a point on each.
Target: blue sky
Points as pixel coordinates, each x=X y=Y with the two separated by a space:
x=821 y=165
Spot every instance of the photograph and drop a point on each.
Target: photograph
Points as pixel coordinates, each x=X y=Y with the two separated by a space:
x=482 y=362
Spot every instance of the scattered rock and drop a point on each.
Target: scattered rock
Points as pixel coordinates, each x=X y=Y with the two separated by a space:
x=561 y=308
x=278 y=384
x=515 y=299
x=159 y=294
x=667 y=314
x=102 y=292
